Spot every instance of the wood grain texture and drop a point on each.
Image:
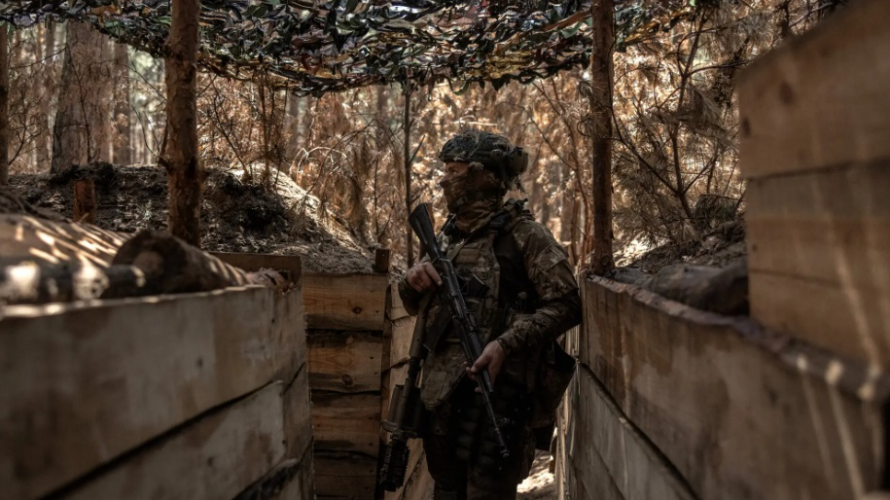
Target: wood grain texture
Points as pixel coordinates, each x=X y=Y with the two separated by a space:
x=819 y=252
x=221 y=454
x=345 y=302
x=821 y=99
x=86 y=383
x=741 y=412
x=608 y=444
x=348 y=475
x=346 y=422
x=345 y=361
x=298 y=416
x=291 y=265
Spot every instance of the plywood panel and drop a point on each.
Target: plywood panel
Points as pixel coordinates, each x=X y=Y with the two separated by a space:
x=215 y=457
x=821 y=99
x=86 y=383
x=345 y=361
x=345 y=302
x=740 y=412
x=346 y=422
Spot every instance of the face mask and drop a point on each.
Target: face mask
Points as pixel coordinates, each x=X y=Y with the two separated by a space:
x=454 y=189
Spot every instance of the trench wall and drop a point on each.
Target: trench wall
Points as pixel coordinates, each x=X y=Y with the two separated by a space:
x=187 y=397
x=674 y=403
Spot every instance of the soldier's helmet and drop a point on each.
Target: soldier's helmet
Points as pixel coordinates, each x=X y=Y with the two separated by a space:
x=494 y=152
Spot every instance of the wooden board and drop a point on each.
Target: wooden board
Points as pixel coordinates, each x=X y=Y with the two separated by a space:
x=345 y=302
x=821 y=99
x=607 y=443
x=297 y=415
x=26 y=238
x=345 y=475
x=824 y=236
x=741 y=413
x=85 y=383
x=290 y=264
x=346 y=422
x=345 y=361
x=215 y=457
x=416 y=468
x=287 y=481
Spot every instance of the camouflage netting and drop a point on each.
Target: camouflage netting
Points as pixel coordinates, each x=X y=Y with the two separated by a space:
x=315 y=46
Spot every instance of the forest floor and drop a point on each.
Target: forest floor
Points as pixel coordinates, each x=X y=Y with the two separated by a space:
x=719 y=247
x=236 y=216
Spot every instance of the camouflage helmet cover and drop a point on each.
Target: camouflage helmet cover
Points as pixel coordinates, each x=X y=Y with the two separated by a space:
x=494 y=152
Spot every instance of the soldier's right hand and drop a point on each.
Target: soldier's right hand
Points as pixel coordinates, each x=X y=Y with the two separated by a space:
x=423 y=277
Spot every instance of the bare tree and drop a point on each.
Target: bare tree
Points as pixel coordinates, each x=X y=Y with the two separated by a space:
x=83 y=110
x=122 y=151
x=180 y=158
x=4 y=105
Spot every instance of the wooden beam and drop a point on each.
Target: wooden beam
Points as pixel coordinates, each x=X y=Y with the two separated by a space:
x=344 y=361
x=382 y=257
x=345 y=302
x=86 y=383
x=820 y=100
x=347 y=475
x=607 y=444
x=346 y=422
x=216 y=457
x=741 y=412
x=824 y=236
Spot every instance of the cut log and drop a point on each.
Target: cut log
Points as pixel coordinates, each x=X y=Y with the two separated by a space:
x=33 y=284
x=741 y=412
x=222 y=454
x=713 y=289
x=173 y=266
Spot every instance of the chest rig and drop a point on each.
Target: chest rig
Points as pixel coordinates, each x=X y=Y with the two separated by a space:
x=492 y=269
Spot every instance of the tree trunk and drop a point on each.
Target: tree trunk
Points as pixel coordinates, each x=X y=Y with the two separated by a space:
x=45 y=137
x=602 y=75
x=185 y=172
x=82 y=107
x=409 y=236
x=4 y=105
x=122 y=151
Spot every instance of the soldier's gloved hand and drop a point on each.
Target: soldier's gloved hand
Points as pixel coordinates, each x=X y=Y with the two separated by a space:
x=423 y=277
x=492 y=358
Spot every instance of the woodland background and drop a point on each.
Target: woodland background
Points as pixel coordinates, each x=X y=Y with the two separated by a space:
x=675 y=157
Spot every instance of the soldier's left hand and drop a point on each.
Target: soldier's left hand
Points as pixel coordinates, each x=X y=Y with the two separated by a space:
x=493 y=358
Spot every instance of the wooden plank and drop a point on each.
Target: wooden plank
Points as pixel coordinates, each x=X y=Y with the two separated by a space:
x=345 y=302
x=416 y=467
x=85 y=383
x=346 y=422
x=825 y=234
x=292 y=265
x=739 y=411
x=638 y=470
x=345 y=475
x=285 y=482
x=855 y=324
x=217 y=456
x=297 y=415
x=344 y=361
x=821 y=99
x=419 y=485
x=396 y=309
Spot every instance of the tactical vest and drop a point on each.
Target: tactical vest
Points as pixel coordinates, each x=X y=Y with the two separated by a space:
x=492 y=255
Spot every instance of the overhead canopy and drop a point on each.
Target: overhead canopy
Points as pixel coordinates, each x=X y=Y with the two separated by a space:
x=318 y=46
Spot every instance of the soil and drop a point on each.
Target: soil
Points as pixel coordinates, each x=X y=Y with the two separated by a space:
x=720 y=247
x=237 y=216
x=541 y=483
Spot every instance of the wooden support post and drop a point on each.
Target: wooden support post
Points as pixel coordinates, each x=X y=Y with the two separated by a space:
x=85 y=201
x=601 y=75
x=382 y=259
x=409 y=236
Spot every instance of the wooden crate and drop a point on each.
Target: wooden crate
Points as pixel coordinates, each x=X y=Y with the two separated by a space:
x=815 y=118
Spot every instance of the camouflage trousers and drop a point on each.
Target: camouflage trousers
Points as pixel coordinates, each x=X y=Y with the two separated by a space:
x=461 y=448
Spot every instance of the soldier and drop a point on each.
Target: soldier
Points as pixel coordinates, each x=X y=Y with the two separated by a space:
x=525 y=297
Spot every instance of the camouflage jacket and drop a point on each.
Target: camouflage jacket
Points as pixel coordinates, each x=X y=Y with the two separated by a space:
x=531 y=297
